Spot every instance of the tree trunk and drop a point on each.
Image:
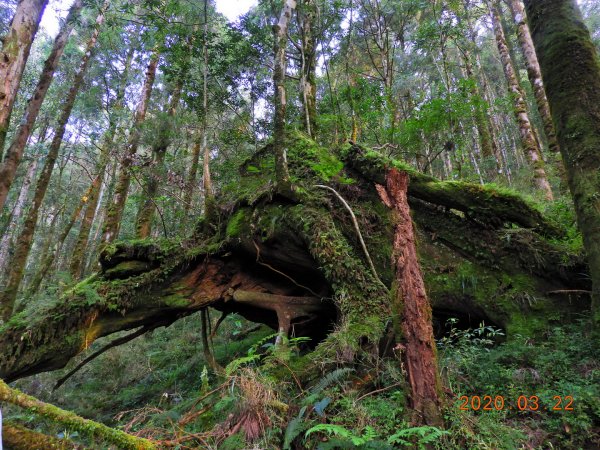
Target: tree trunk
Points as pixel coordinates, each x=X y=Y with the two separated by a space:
x=17 y=264
x=115 y=210
x=8 y=167
x=308 y=85
x=528 y=139
x=571 y=70
x=534 y=73
x=48 y=259
x=155 y=175
x=7 y=242
x=412 y=308
x=13 y=57
x=209 y=206
x=76 y=265
x=280 y=30
x=191 y=179
x=69 y=420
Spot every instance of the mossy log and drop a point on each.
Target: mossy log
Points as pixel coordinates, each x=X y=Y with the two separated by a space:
x=88 y=428
x=17 y=437
x=486 y=253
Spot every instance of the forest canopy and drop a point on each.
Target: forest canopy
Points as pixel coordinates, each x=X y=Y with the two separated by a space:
x=314 y=224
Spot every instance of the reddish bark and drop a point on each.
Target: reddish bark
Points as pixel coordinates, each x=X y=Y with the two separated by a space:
x=13 y=56
x=9 y=166
x=412 y=305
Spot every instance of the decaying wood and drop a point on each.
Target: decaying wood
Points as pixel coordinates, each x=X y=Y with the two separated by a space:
x=305 y=275
x=412 y=306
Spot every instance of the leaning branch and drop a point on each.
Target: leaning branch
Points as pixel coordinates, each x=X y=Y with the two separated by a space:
x=115 y=343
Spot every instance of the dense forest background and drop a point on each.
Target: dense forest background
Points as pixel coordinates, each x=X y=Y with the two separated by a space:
x=128 y=133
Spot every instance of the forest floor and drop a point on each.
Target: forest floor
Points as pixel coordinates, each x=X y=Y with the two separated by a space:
x=524 y=393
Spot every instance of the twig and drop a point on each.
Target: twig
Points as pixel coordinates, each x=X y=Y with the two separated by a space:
x=377 y=391
x=116 y=342
x=357 y=229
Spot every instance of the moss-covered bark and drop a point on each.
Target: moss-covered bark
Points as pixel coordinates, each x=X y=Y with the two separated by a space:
x=25 y=240
x=88 y=428
x=13 y=56
x=17 y=437
x=114 y=212
x=310 y=248
x=571 y=72
x=529 y=142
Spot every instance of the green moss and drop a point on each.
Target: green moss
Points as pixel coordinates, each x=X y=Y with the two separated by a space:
x=127 y=269
x=176 y=301
x=236 y=224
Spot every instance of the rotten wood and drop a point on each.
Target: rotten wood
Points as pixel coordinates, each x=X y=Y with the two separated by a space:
x=412 y=308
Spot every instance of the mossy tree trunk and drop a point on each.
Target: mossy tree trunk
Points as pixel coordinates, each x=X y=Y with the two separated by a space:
x=281 y=263
x=7 y=241
x=534 y=73
x=191 y=179
x=280 y=30
x=114 y=212
x=529 y=141
x=94 y=430
x=8 y=167
x=25 y=240
x=47 y=260
x=13 y=56
x=571 y=71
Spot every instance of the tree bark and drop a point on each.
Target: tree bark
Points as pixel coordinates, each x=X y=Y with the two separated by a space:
x=534 y=73
x=191 y=179
x=115 y=210
x=412 y=308
x=8 y=167
x=86 y=427
x=76 y=265
x=159 y=149
x=571 y=71
x=280 y=30
x=18 y=262
x=529 y=141
x=7 y=241
x=13 y=57
x=308 y=85
x=48 y=259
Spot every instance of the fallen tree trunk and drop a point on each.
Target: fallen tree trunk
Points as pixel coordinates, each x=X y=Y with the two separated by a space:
x=484 y=253
x=88 y=428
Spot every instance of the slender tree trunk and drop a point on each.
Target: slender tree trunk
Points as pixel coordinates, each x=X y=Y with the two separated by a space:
x=76 y=265
x=7 y=243
x=308 y=85
x=8 y=167
x=571 y=69
x=209 y=207
x=534 y=73
x=521 y=111
x=18 y=262
x=191 y=179
x=280 y=30
x=13 y=57
x=115 y=210
x=412 y=308
x=48 y=259
x=159 y=149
